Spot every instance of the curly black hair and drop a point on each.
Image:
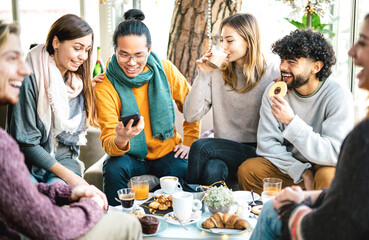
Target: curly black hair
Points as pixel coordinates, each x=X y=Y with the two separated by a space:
x=307 y=44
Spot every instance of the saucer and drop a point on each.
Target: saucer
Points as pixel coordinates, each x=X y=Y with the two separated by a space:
x=159 y=192
x=170 y=218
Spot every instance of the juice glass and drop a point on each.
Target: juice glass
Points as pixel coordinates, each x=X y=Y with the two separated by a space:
x=271 y=187
x=141 y=185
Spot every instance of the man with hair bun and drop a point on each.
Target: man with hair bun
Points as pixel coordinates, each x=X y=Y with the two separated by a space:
x=299 y=136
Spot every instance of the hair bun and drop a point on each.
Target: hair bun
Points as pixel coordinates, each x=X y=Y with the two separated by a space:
x=134 y=14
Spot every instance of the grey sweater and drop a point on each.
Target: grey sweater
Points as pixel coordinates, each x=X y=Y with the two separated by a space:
x=235 y=115
x=27 y=129
x=315 y=134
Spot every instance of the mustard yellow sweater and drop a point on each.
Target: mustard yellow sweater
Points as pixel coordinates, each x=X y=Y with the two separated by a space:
x=109 y=111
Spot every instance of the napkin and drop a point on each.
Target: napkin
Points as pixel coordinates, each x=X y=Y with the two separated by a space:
x=224 y=230
x=194 y=216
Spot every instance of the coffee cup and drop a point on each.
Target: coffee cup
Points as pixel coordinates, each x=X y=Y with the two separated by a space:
x=170 y=184
x=217 y=58
x=184 y=205
x=126 y=198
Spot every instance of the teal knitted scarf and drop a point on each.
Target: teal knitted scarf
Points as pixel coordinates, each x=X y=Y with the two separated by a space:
x=160 y=100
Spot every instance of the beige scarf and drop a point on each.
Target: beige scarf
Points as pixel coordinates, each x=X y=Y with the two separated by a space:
x=54 y=94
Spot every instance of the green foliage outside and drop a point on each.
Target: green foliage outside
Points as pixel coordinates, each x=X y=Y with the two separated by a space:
x=315 y=24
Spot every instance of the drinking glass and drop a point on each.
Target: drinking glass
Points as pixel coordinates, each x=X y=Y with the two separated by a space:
x=127 y=198
x=271 y=187
x=141 y=185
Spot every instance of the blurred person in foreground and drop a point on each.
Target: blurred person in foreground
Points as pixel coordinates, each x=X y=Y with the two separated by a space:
x=341 y=211
x=39 y=210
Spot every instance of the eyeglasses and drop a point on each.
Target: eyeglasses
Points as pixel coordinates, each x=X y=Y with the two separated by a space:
x=137 y=58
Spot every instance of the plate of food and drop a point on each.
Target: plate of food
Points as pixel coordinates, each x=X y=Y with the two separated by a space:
x=224 y=223
x=158 y=205
x=152 y=226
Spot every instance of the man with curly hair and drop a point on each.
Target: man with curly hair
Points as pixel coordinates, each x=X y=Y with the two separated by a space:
x=299 y=136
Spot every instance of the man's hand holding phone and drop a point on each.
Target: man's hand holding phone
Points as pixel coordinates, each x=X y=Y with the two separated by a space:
x=132 y=126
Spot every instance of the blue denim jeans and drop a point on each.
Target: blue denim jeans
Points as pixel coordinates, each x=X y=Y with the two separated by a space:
x=268 y=225
x=214 y=159
x=117 y=171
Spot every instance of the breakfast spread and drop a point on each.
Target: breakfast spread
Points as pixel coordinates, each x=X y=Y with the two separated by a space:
x=225 y=220
x=278 y=88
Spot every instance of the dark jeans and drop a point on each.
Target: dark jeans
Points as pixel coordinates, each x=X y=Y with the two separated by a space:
x=214 y=159
x=117 y=171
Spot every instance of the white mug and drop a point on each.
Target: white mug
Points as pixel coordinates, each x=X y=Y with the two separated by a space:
x=184 y=205
x=169 y=184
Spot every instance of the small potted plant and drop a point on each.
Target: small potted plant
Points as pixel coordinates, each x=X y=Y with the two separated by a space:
x=219 y=199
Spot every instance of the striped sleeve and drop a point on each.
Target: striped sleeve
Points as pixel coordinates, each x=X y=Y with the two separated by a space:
x=294 y=223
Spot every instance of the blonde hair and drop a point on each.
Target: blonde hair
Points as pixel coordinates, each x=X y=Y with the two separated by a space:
x=5 y=30
x=255 y=65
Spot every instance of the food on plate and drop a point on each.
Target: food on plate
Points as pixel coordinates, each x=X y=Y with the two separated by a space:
x=161 y=203
x=278 y=88
x=139 y=213
x=149 y=224
x=256 y=209
x=224 y=220
x=154 y=205
x=163 y=207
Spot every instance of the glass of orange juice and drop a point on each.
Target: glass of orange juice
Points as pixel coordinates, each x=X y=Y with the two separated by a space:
x=141 y=185
x=271 y=187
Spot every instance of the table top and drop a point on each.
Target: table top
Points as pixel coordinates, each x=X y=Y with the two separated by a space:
x=177 y=232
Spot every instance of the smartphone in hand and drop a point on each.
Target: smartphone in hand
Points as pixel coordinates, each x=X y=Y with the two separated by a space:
x=125 y=119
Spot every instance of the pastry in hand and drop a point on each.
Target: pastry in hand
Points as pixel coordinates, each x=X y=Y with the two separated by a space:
x=225 y=220
x=278 y=88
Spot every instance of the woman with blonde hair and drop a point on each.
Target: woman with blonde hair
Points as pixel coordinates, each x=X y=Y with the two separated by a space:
x=234 y=93
x=56 y=103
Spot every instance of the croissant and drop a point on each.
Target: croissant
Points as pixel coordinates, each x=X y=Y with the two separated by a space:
x=224 y=220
